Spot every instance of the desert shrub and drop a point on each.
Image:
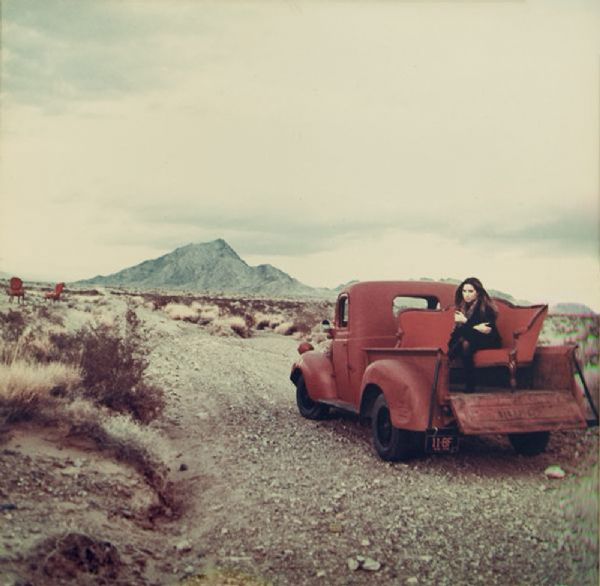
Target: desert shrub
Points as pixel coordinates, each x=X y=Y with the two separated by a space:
x=302 y=327
x=12 y=325
x=228 y=325
x=286 y=329
x=33 y=346
x=208 y=313
x=263 y=324
x=264 y=321
x=249 y=319
x=112 y=359
x=88 y=292
x=113 y=368
x=580 y=506
x=44 y=312
x=65 y=347
x=179 y=311
x=159 y=301
x=25 y=387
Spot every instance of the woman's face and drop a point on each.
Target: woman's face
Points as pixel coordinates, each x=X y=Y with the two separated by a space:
x=469 y=293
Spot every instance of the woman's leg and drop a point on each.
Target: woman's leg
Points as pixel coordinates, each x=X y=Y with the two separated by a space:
x=468 y=365
x=463 y=348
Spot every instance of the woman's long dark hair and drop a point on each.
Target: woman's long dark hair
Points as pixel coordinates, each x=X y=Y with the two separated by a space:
x=483 y=301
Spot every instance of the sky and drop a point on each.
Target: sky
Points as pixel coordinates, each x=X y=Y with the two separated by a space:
x=335 y=140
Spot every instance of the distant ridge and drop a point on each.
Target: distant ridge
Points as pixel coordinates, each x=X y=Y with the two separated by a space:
x=492 y=292
x=572 y=309
x=211 y=267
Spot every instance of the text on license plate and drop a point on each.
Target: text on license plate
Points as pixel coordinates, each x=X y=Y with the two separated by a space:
x=441 y=442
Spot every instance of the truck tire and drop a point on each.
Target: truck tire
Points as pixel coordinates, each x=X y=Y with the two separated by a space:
x=529 y=444
x=391 y=443
x=308 y=408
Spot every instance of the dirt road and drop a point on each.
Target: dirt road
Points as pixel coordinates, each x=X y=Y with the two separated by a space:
x=295 y=501
x=292 y=501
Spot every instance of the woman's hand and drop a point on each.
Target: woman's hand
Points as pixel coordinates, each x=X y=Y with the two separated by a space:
x=460 y=317
x=483 y=328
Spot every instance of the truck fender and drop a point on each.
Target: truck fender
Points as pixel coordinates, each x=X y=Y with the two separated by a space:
x=407 y=392
x=317 y=370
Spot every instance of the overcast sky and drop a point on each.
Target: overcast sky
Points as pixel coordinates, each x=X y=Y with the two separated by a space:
x=334 y=140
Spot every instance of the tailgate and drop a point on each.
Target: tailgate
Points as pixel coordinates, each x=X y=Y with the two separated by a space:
x=521 y=411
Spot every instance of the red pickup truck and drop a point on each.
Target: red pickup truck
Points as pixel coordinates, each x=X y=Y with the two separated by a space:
x=388 y=362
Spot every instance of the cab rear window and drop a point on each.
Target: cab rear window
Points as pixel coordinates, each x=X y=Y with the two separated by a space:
x=399 y=303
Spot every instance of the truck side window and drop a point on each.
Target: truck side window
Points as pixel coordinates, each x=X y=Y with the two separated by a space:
x=343 y=308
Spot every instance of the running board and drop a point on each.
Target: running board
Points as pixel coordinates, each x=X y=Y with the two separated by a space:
x=518 y=412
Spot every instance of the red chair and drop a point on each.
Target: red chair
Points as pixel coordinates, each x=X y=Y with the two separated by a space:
x=16 y=289
x=519 y=329
x=55 y=295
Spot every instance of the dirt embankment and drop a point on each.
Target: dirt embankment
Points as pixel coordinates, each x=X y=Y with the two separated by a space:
x=284 y=500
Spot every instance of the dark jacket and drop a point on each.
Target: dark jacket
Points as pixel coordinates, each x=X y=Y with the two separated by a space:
x=477 y=340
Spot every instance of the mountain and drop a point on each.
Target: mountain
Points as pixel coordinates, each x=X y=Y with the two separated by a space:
x=209 y=266
x=572 y=309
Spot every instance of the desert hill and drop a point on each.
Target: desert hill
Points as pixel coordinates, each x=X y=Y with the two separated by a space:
x=212 y=267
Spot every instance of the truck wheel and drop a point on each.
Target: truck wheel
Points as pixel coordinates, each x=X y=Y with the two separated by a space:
x=307 y=407
x=391 y=443
x=529 y=444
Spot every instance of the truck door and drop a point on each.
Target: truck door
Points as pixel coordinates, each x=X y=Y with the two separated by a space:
x=339 y=346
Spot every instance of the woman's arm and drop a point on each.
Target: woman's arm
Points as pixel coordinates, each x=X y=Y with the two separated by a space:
x=487 y=321
x=483 y=327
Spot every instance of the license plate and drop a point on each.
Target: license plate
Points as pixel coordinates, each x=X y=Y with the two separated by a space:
x=441 y=441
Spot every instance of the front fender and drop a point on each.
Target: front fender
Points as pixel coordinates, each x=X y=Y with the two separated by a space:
x=407 y=390
x=318 y=373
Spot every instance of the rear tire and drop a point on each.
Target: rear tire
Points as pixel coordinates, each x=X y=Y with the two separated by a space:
x=390 y=443
x=308 y=408
x=529 y=444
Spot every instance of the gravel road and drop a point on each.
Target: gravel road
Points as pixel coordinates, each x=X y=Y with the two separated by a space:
x=302 y=502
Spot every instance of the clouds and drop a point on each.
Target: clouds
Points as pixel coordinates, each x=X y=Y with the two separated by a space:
x=311 y=135
x=63 y=51
x=569 y=232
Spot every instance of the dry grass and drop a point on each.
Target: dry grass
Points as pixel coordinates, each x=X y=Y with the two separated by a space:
x=180 y=311
x=285 y=329
x=581 y=506
x=228 y=326
x=109 y=356
x=265 y=321
x=214 y=312
x=129 y=442
x=26 y=387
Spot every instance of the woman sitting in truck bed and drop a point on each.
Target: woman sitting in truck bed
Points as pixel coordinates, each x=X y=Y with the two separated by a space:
x=474 y=326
